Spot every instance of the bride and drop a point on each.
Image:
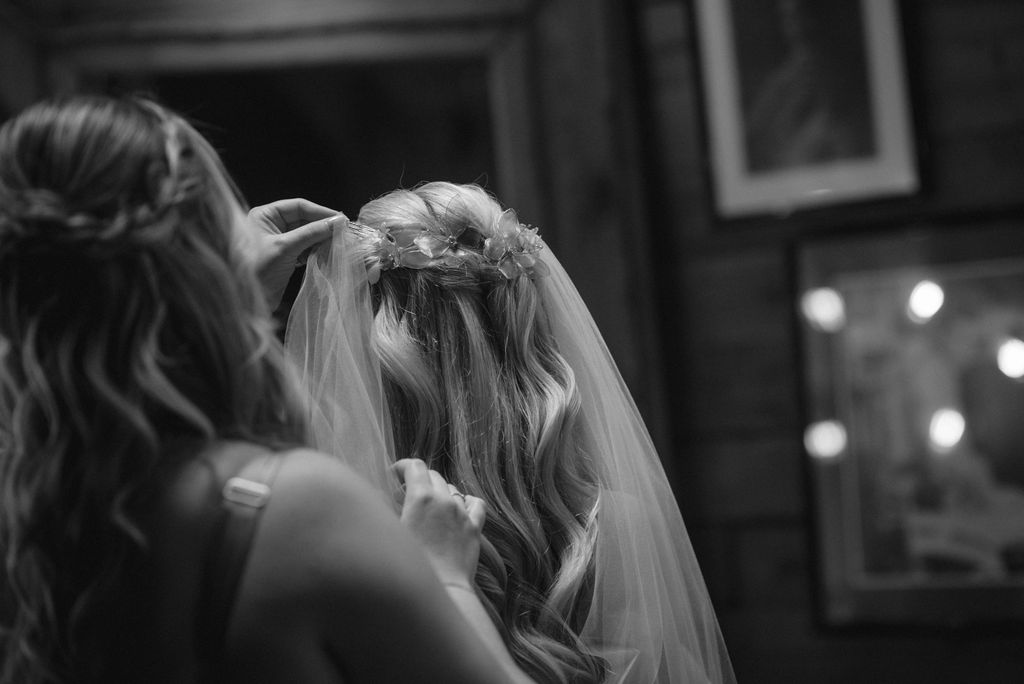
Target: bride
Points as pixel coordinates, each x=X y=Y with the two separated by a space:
x=438 y=326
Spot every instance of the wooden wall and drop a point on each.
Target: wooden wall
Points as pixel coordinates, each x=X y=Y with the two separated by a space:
x=726 y=302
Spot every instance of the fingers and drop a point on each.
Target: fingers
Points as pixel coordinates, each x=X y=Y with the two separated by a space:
x=476 y=509
x=288 y=213
x=439 y=483
x=304 y=237
x=456 y=494
x=412 y=471
x=416 y=475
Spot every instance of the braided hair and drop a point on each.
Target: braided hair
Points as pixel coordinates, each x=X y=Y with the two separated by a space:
x=132 y=332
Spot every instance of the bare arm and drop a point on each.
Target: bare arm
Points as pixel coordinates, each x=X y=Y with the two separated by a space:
x=467 y=601
x=335 y=558
x=449 y=525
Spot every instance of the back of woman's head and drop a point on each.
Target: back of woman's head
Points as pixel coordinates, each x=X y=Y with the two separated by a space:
x=129 y=327
x=477 y=387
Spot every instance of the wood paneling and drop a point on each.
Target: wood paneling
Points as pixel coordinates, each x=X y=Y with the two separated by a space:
x=782 y=646
x=749 y=480
x=736 y=369
x=728 y=312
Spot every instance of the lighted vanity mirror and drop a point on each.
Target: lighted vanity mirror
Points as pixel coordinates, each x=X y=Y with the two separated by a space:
x=913 y=347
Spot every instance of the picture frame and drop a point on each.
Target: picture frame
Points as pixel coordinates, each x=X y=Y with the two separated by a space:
x=806 y=103
x=912 y=348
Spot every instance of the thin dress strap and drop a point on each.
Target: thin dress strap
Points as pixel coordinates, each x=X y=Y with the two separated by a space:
x=242 y=502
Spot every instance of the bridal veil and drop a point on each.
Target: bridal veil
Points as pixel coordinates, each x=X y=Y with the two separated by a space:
x=650 y=617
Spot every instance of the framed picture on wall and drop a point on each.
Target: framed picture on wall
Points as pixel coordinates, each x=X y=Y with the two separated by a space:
x=806 y=103
x=913 y=359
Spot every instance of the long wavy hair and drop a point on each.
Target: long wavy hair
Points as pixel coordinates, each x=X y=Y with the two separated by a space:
x=478 y=389
x=132 y=333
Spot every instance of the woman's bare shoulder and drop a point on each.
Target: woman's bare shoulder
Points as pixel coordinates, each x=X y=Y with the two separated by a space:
x=323 y=516
x=309 y=466
x=330 y=551
x=313 y=485
x=335 y=578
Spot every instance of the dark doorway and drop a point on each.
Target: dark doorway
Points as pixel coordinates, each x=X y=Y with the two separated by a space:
x=338 y=135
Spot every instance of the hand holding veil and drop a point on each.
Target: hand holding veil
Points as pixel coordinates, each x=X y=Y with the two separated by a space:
x=650 y=617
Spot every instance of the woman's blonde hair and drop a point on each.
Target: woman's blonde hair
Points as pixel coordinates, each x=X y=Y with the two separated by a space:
x=132 y=333
x=478 y=389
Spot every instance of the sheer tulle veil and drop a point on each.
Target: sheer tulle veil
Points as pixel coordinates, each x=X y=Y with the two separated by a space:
x=651 y=618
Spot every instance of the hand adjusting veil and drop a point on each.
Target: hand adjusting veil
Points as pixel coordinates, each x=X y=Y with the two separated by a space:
x=650 y=618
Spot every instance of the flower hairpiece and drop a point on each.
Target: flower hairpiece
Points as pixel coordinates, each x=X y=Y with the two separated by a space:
x=512 y=247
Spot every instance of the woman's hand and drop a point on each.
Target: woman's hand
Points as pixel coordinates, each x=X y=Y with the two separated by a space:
x=281 y=234
x=446 y=522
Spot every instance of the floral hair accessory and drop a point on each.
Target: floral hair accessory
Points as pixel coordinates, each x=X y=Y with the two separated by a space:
x=513 y=246
x=407 y=246
x=383 y=250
